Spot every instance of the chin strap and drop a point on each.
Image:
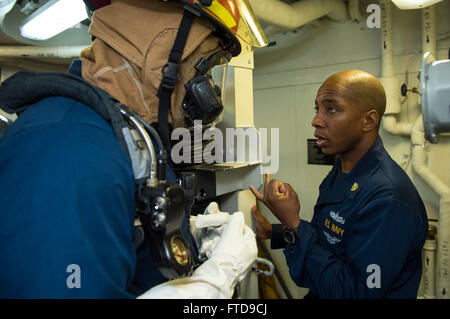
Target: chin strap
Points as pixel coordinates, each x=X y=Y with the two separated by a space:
x=170 y=75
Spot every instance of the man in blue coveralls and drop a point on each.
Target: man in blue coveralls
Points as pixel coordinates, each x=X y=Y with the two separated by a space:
x=369 y=224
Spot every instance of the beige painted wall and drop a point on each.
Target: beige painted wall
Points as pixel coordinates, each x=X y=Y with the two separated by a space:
x=288 y=75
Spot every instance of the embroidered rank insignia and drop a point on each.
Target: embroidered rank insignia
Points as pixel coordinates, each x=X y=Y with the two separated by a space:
x=354 y=187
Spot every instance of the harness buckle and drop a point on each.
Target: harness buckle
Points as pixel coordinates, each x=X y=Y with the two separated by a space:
x=170 y=75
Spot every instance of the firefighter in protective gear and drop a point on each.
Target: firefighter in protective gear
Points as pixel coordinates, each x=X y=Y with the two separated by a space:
x=70 y=228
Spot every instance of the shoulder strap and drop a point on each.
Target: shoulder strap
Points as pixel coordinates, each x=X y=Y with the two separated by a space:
x=170 y=76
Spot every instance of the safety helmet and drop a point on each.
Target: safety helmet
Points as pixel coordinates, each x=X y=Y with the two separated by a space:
x=234 y=19
x=231 y=21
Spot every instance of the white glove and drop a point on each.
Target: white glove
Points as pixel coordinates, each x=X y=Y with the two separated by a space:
x=207 y=228
x=230 y=260
x=237 y=246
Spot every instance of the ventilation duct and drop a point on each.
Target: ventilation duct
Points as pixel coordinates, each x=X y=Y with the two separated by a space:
x=292 y=16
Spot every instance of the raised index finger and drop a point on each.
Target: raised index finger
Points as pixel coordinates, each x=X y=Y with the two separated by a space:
x=255 y=192
x=267 y=178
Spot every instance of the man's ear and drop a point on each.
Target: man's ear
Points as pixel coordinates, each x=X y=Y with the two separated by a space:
x=371 y=120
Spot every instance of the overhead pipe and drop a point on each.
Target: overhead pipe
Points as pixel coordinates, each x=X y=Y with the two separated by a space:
x=25 y=51
x=388 y=79
x=291 y=16
x=6 y=6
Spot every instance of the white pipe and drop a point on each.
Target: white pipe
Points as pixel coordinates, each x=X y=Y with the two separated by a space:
x=387 y=66
x=6 y=6
x=388 y=79
x=391 y=125
x=40 y=52
x=419 y=158
x=292 y=16
x=443 y=190
x=429 y=269
x=443 y=256
x=429 y=30
x=416 y=131
x=443 y=244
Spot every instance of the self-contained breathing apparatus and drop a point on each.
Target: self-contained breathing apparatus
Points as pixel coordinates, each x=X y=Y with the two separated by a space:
x=203 y=99
x=160 y=206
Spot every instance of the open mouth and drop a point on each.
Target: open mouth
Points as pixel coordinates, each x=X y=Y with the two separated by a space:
x=321 y=140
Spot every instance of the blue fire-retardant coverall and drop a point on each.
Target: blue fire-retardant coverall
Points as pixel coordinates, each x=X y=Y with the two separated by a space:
x=366 y=236
x=67 y=207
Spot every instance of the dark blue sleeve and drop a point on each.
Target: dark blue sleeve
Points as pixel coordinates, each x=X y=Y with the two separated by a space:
x=67 y=206
x=382 y=236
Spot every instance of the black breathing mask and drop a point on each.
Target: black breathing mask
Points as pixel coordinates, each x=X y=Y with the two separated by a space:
x=203 y=98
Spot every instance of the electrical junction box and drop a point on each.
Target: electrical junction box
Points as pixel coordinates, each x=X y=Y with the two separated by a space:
x=435 y=96
x=315 y=155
